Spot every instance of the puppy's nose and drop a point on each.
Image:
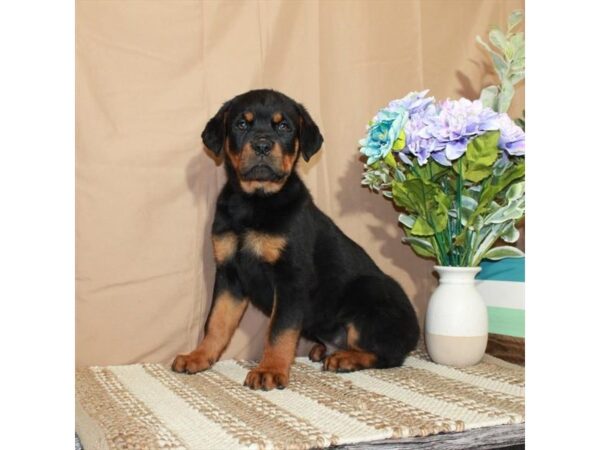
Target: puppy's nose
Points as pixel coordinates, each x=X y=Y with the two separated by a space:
x=262 y=146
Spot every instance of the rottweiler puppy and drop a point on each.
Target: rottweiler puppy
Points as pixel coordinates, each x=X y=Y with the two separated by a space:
x=275 y=249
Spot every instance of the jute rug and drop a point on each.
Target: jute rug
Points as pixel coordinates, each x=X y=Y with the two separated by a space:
x=147 y=406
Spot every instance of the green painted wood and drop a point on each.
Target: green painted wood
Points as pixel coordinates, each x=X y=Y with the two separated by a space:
x=506 y=321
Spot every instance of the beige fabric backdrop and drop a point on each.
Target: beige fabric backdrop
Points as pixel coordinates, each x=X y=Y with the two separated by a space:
x=150 y=74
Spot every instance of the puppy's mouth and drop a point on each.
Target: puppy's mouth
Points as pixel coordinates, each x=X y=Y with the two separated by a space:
x=261 y=172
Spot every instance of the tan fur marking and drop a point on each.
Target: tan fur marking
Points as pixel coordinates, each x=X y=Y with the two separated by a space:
x=268 y=187
x=281 y=352
x=274 y=368
x=248 y=116
x=277 y=117
x=224 y=246
x=317 y=353
x=265 y=246
x=224 y=318
x=233 y=157
x=354 y=358
x=287 y=160
x=349 y=360
x=353 y=337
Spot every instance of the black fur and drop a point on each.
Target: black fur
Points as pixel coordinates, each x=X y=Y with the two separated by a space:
x=323 y=280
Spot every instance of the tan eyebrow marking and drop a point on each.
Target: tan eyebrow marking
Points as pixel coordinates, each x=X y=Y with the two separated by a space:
x=248 y=116
x=277 y=117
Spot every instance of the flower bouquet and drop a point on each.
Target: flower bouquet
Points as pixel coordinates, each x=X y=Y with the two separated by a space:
x=456 y=169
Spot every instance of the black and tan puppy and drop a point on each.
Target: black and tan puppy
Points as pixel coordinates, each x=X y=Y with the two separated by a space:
x=274 y=248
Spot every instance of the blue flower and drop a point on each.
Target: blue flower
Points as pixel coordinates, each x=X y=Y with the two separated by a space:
x=389 y=122
x=382 y=133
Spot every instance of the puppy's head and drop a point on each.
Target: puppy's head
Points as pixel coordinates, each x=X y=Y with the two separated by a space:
x=262 y=133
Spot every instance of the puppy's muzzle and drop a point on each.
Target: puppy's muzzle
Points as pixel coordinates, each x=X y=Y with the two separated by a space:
x=262 y=146
x=261 y=172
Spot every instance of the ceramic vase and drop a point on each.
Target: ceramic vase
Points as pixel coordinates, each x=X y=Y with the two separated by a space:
x=456 y=323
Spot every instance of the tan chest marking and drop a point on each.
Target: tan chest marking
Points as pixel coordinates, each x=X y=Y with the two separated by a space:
x=265 y=246
x=224 y=246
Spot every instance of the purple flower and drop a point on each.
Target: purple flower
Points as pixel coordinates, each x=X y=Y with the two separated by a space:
x=458 y=122
x=512 y=137
x=419 y=142
x=413 y=102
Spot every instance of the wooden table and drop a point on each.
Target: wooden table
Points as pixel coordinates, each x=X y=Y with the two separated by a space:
x=505 y=437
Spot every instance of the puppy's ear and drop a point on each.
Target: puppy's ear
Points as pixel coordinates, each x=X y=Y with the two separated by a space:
x=214 y=133
x=309 y=134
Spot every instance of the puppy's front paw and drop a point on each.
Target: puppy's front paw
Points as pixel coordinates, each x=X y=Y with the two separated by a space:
x=266 y=379
x=192 y=363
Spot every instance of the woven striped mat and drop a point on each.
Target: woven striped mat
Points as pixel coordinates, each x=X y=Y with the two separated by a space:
x=147 y=406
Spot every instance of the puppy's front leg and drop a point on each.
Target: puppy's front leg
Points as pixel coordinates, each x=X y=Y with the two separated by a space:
x=273 y=370
x=227 y=309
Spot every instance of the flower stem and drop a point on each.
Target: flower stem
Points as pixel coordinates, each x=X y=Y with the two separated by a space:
x=459 y=187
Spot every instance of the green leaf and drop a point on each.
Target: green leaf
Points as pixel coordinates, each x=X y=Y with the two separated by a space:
x=422 y=228
x=511 y=212
x=424 y=199
x=518 y=59
x=514 y=19
x=390 y=160
x=518 y=42
x=514 y=78
x=515 y=191
x=400 y=143
x=500 y=65
x=421 y=246
x=507 y=91
x=430 y=171
x=400 y=175
x=498 y=39
x=406 y=220
x=511 y=235
x=484 y=44
x=486 y=236
x=505 y=251
x=468 y=205
x=480 y=156
x=489 y=97
x=474 y=192
x=496 y=185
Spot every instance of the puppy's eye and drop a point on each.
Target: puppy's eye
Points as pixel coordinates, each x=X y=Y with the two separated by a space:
x=242 y=124
x=283 y=126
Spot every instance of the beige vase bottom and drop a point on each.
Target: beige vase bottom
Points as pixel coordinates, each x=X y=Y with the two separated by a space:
x=456 y=351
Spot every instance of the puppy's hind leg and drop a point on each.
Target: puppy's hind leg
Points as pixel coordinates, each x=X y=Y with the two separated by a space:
x=317 y=353
x=381 y=324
